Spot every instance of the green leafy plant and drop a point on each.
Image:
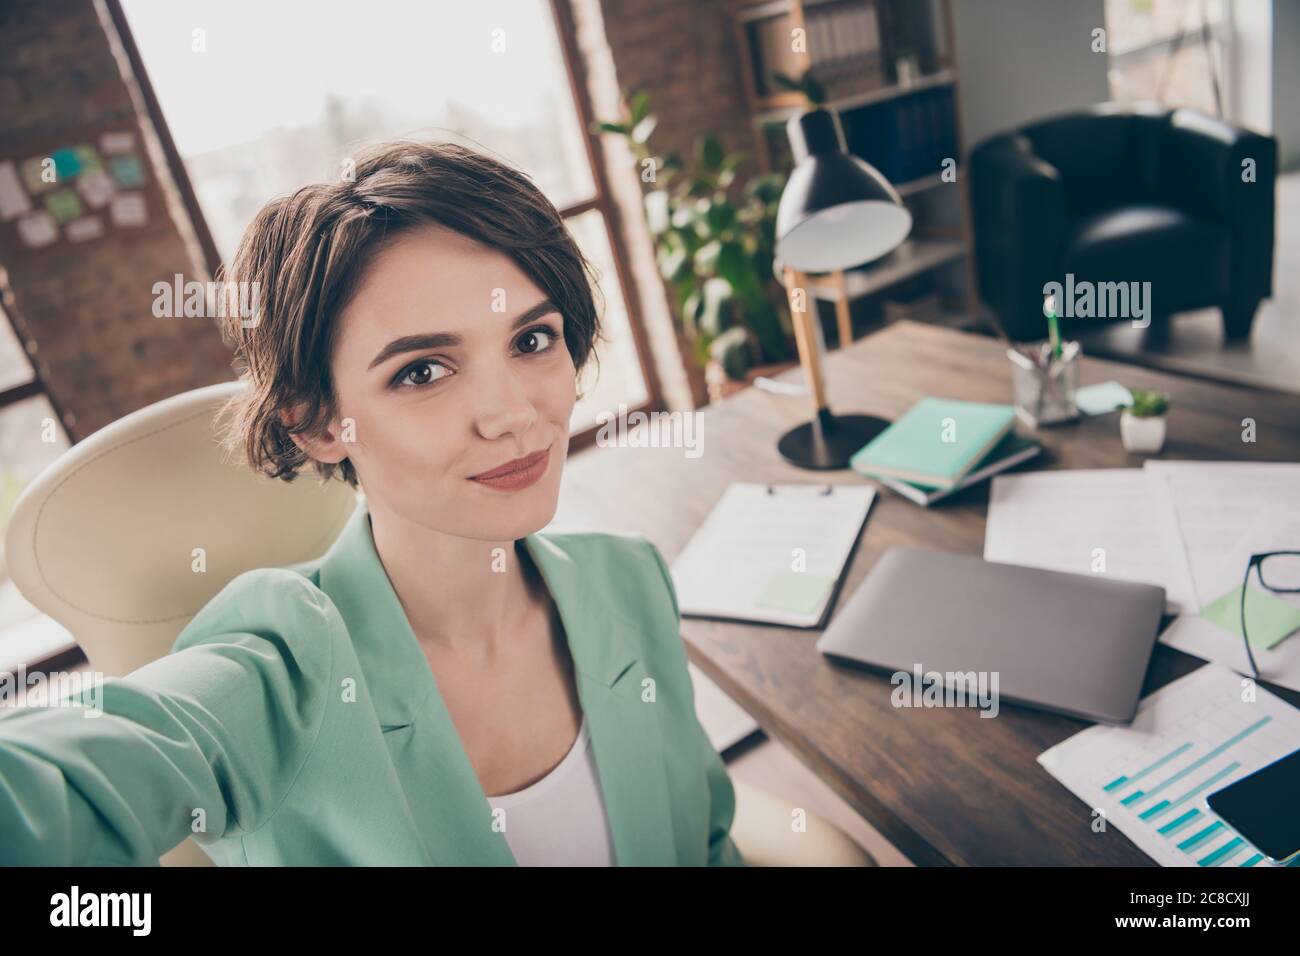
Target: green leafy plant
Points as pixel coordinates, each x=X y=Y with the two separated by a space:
x=1147 y=404
x=731 y=351
x=714 y=252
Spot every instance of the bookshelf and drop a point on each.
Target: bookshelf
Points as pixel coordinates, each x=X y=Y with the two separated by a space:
x=890 y=74
x=777 y=115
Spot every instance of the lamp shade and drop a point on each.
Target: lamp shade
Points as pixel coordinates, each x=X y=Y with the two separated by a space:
x=836 y=211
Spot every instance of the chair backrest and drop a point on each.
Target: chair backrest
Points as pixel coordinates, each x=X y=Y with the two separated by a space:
x=1108 y=155
x=125 y=537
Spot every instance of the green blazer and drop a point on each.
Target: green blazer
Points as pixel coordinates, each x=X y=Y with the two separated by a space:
x=297 y=722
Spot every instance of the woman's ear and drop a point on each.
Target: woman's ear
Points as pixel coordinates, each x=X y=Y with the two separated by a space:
x=329 y=445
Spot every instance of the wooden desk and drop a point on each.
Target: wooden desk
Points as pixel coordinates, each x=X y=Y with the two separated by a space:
x=941 y=784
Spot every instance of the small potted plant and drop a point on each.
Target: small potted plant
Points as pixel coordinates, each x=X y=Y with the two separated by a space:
x=1142 y=425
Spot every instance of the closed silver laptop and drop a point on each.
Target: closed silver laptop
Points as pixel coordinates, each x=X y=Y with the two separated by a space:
x=1074 y=644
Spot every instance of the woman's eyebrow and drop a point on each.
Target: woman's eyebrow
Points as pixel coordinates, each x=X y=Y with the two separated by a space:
x=438 y=340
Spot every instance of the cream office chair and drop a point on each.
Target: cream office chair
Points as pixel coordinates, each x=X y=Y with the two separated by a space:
x=105 y=540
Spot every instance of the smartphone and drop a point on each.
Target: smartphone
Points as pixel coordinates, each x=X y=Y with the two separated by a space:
x=1262 y=808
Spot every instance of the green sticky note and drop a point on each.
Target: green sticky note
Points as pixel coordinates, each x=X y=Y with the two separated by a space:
x=66 y=163
x=798 y=592
x=127 y=170
x=1102 y=398
x=87 y=157
x=1270 y=619
x=63 y=205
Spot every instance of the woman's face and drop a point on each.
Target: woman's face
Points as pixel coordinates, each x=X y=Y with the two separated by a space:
x=450 y=363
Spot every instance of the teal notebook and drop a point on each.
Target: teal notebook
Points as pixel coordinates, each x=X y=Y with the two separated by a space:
x=936 y=443
x=1011 y=451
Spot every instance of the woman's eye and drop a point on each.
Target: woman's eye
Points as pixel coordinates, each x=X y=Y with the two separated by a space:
x=421 y=374
x=418 y=374
x=532 y=335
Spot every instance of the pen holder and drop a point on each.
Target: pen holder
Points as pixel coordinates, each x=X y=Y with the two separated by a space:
x=1043 y=385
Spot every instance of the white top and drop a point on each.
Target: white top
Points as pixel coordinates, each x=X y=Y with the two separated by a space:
x=560 y=820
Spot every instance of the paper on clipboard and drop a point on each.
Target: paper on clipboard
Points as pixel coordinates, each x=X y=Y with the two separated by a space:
x=771 y=557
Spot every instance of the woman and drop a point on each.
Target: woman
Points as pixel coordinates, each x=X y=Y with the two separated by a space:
x=445 y=685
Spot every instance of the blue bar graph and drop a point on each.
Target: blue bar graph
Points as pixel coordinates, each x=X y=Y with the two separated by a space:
x=1120 y=781
x=1205 y=784
x=1163 y=805
x=1225 y=852
x=1169 y=829
x=1206 y=758
x=1195 y=737
x=1196 y=839
x=1155 y=811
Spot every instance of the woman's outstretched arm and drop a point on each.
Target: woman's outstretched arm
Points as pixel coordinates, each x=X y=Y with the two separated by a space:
x=203 y=742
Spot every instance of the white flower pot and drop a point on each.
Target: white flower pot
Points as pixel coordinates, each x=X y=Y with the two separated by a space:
x=1145 y=435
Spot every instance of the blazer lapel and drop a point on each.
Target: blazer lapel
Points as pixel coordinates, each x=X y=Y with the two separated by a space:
x=624 y=728
x=439 y=782
x=435 y=774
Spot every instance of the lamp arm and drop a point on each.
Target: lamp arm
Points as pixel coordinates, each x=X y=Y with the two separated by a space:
x=808 y=336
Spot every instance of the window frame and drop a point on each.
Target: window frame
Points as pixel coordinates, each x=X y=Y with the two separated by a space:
x=36 y=385
x=1163 y=45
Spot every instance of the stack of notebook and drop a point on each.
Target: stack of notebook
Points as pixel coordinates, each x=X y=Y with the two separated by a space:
x=942 y=446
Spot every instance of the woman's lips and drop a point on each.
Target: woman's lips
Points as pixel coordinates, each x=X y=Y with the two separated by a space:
x=516 y=475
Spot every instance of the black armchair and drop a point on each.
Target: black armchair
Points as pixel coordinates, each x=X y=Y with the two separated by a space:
x=1124 y=194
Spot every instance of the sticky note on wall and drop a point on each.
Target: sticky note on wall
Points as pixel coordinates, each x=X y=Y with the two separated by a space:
x=127 y=170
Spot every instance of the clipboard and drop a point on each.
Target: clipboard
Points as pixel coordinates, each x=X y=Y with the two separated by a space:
x=771 y=554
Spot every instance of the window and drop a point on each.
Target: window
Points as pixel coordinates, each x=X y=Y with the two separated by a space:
x=1170 y=51
x=260 y=98
x=15 y=369
x=31 y=437
x=31 y=434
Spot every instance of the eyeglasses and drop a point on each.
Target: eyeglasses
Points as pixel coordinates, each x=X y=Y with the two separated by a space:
x=1279 y=571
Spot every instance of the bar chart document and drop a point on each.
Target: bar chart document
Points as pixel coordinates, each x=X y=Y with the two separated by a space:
x=1193 y=736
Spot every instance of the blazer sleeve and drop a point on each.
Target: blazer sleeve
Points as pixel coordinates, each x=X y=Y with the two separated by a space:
x=722 y=795
x=204 y=742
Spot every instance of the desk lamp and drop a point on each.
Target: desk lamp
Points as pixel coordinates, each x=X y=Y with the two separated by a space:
x=836 y=212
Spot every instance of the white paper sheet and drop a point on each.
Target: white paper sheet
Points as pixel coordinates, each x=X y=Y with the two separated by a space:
x=1214 y=504
x=1081 y=521
x=1190 y=738
x=1274 y=529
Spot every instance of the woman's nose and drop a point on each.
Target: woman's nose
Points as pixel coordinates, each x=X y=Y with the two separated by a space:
x=504 y=406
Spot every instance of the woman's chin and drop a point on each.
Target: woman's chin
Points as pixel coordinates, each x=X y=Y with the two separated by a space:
x=509 y=517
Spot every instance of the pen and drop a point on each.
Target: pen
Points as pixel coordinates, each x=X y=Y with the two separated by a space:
x=1053 y=330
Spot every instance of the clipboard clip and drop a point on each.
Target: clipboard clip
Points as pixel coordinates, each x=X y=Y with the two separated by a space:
x=825 y=491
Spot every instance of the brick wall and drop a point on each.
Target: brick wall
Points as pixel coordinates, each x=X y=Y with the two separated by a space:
x=684 y=54
x=88 y=306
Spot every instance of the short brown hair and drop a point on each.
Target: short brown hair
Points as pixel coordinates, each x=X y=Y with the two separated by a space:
x=306 y=252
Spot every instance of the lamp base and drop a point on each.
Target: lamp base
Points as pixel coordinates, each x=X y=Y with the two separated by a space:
x=828 y=441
